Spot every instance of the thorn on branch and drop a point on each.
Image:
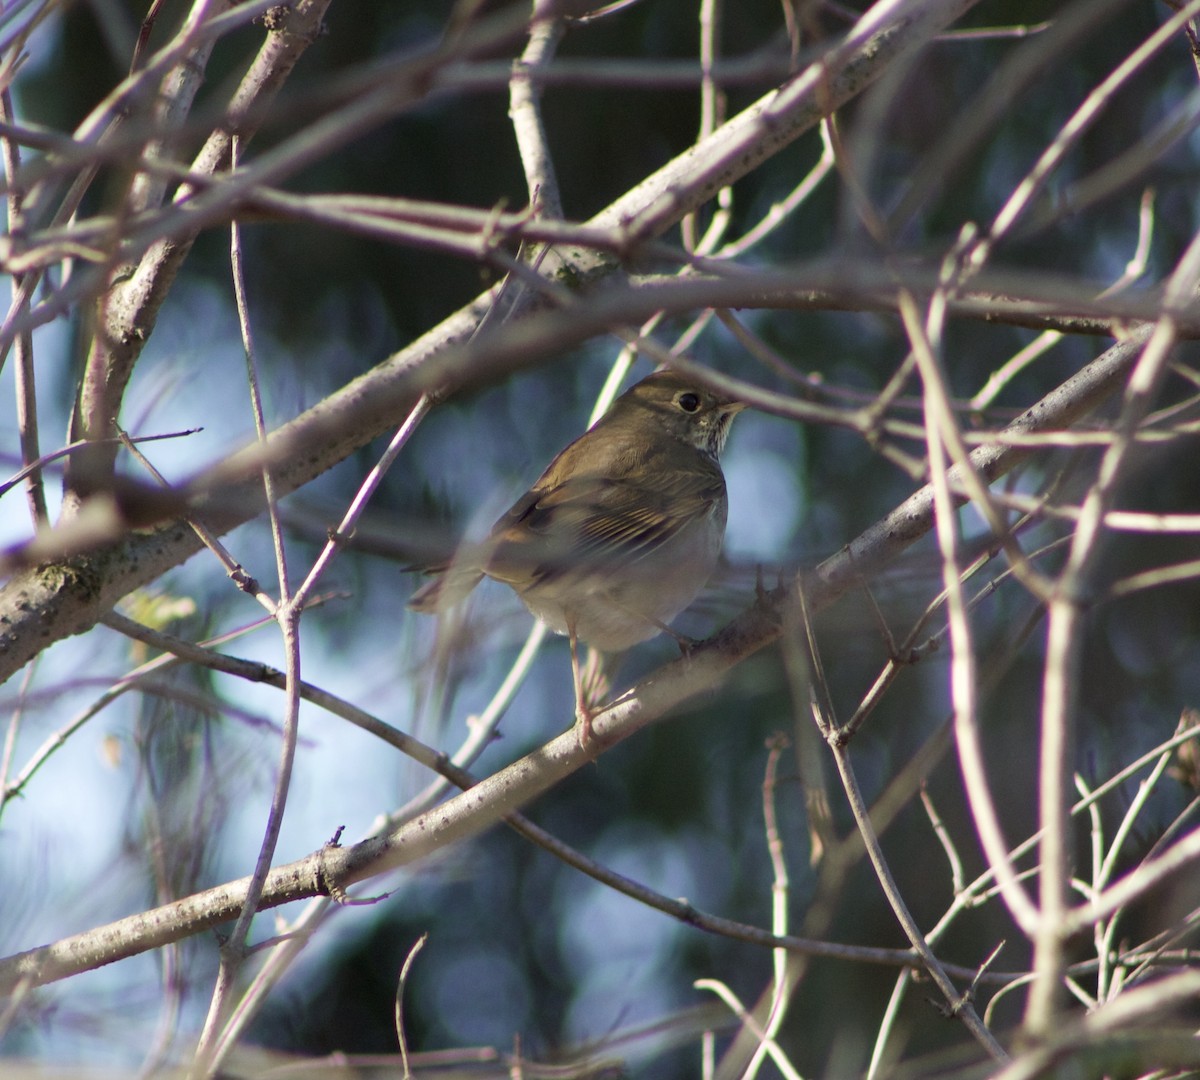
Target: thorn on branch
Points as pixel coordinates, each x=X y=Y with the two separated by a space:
x=326 y=883
x=767 y=600
x=951 y=1010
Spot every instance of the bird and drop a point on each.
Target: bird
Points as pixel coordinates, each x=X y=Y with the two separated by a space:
x=620 y=532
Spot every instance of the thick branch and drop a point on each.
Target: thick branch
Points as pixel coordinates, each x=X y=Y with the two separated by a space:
x=129 y=310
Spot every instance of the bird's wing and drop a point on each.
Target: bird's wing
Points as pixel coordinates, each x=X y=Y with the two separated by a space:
x=593 y=519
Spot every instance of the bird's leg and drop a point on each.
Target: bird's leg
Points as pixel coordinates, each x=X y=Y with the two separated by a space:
x=583 y=711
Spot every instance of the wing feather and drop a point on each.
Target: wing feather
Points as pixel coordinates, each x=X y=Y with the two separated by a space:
x=590 y=519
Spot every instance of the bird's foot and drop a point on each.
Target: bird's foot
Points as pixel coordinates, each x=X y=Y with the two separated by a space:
x=583 y=726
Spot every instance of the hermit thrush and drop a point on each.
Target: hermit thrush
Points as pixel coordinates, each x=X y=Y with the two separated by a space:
x=621 y=531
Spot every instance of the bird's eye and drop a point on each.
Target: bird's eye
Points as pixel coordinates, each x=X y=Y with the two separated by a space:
x=689 y=402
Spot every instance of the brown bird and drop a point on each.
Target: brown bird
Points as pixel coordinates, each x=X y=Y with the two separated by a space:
x=620 y=532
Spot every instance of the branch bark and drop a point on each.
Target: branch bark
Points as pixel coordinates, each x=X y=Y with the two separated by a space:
x=128 y=310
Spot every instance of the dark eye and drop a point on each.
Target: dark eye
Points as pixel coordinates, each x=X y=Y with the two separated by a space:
x=689 y=402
